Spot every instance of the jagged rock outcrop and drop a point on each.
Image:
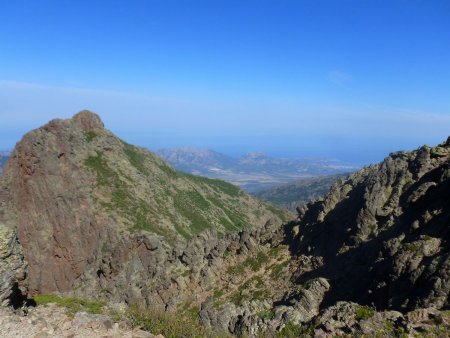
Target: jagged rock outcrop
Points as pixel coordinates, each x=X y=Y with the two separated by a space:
x=381 y=236
x=95 y=213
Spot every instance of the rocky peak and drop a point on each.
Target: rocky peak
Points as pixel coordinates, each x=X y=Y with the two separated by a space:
x=88 y=121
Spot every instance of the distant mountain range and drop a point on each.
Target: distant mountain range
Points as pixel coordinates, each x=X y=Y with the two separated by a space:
x=254 y=171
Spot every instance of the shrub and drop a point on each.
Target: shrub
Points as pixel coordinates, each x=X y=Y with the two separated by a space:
x=170 y=324
x=73 y=305
x=363 y=312
x=266 y=314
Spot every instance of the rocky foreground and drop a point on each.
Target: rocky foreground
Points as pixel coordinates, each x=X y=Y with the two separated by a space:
x=53 y=321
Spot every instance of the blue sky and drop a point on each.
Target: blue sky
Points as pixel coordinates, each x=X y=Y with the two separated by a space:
x=352 y=80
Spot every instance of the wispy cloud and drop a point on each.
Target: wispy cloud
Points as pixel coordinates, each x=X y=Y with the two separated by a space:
x=339 y=78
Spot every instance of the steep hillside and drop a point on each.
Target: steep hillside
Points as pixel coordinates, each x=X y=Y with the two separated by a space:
x=294 y=194
x=78 y=195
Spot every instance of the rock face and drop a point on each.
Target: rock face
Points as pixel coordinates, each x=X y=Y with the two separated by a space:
x=12 y=266
x=94 y=212
x=381 y=236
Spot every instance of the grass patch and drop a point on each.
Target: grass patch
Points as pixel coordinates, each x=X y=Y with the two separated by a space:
x=412 y=247
x=136 y=158
x=251 y=289
x=90 y=135
x=169 y=324
x=277 y=270
x=191 y=211
x=266 y=314
x=99 y=165
x=290 y=330
x=218 y=185
x=363 y=312
x=283 y=215
x=253 y=263
x=199 y=201
x=236 y=270
x=73 y=305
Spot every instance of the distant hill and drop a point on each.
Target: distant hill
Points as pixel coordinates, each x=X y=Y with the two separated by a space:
x=293 y=194
x=254 y=171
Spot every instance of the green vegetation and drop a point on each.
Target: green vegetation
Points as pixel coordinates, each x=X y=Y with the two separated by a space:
x=277 y=269
x=197 y=199
x=253 y=263
x=191 y=211
x=73 y=305
x=173 y=204
x=99 y=165
x=227 y=224
x=251 y=289
x=290 y=330
x=236 y=270
x=363 y=312
x=276 y=251
x=90 y=135
x=218 y=185
x=413 y=246
x=266 y=314
x=218 y=293
x=136 y=159
x=283 y=215
x=137 y=211
x=170 y=325
x=391 y=330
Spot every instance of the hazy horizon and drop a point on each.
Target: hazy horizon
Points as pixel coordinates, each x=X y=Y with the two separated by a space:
x=347 y=80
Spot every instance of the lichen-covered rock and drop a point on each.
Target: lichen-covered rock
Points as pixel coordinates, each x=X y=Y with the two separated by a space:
x=304 y=303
